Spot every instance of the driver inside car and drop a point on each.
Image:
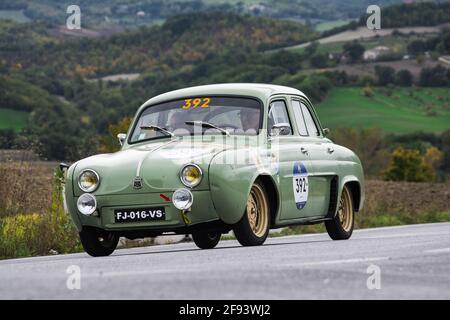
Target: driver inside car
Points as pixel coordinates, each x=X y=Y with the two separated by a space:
x=250 y=120
x=177 y=122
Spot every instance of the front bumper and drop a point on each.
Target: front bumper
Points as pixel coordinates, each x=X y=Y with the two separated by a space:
x=202 y=211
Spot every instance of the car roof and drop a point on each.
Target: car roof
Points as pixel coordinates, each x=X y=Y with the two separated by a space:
x=258 y=90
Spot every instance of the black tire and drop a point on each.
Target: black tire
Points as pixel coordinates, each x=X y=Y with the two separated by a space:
x=97 y=242
x=206 y=240
x=243 y=230
x=340 y=228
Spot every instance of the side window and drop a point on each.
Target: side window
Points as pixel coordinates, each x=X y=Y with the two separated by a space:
x=299 y=118
x=278 y=115
x=310 y=124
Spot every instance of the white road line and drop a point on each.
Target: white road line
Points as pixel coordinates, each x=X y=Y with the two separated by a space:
x=441 y=250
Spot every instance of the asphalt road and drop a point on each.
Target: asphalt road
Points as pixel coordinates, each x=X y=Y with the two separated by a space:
x=413 y=262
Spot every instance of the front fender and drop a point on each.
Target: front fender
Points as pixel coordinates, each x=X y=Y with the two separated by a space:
x=230 y=182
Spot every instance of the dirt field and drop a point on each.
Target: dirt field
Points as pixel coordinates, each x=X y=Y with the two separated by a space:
x=369 y=68
x=409 y=197
x=26 y=187
x=365 y=33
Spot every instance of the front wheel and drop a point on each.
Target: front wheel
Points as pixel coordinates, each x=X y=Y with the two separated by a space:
x=206 y=240
x=253 y=228
x=341 y=226
x=97 y=242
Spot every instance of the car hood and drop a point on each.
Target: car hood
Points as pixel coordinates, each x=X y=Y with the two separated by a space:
x=157 y=164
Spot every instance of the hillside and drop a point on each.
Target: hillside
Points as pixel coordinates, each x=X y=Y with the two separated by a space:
x=399 y=110
x=414 y=14
x=12 y=119
x=53 y=77
x=65 y=86
x=182 y=40
x=102 y=14
x=428 y=13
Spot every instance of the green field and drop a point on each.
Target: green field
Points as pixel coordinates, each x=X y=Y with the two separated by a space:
x=15 y=15
x=404 y=110
x=328 y=25
x=13 y=119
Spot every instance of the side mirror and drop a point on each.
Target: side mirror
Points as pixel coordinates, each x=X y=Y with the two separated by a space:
x=280 y=129
x=121 y=137
x=326 y=131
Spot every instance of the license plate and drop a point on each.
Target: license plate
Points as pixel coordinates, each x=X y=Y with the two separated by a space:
x=141 y=214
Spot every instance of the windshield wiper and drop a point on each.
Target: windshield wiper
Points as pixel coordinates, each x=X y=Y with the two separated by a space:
x=205 y=124
x=158 y=128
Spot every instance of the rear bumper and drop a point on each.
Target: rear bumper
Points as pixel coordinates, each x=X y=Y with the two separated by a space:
x=202 y=211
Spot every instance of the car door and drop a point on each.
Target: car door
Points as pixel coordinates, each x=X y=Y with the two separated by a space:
x=293 y=163
x=319 y=150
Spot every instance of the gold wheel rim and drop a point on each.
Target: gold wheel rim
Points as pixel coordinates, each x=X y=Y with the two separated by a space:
x=257 y=211
x=345 y=211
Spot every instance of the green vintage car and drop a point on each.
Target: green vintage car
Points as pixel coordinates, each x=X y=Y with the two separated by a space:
x=210 y=159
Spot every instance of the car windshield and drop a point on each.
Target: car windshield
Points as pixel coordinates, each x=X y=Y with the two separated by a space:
x=204 y=115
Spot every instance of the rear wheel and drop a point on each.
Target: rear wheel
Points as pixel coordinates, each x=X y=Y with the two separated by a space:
x=206 y=240
x=253 y=228
x=341 y=226
x=97 y=242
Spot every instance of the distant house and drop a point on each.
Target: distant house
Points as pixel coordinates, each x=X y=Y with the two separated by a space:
x=140 y=13
x=256 y=8
x=373 y=54
x=337 y=56
x=445 y=60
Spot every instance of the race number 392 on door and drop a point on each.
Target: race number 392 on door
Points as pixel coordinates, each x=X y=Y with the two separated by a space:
x=300 y=185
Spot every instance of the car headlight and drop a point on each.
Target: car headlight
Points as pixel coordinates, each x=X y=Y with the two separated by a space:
x=191 y=175
x=87 y=204
x=88 y=180
x=182 y=199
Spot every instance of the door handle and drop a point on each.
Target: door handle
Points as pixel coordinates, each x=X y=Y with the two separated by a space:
x=330 y=150
x=304 y=150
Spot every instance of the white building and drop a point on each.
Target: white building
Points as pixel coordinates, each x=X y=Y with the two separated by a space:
x=373 y=54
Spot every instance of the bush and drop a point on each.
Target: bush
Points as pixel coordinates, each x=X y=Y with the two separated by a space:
x=404 y=78
x=408 y=165
x=385 y=75
x=368 y=92
x=18 y=235
x=37 y=234
x=354 y=50
x=435 y=77
x=367 y=143
x=319 y=60
x=316 y=86
x=109 y=143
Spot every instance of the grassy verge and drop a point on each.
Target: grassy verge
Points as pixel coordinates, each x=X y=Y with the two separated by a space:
x=51 y=232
